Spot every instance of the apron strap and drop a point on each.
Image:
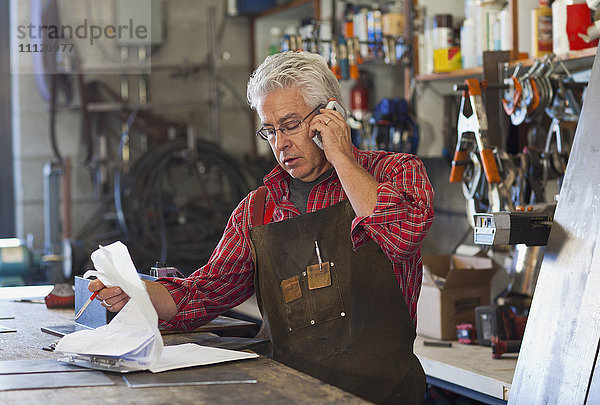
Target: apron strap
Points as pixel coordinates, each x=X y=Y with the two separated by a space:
x=262 y=213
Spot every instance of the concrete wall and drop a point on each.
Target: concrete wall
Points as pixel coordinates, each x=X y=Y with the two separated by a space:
x=186 y=40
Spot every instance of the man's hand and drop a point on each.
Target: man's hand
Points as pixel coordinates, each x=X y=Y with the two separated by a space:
x=359 y=185
x=113 y=298
x=335 y=134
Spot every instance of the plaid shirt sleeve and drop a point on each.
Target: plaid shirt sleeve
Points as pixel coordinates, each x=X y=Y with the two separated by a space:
x=403 y=212
x=402 y=217
x=224 y=282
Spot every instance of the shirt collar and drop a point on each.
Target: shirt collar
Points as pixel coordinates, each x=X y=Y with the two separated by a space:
x=278 y=180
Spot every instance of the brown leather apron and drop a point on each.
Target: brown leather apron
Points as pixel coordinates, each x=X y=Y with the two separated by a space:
x=345 y=322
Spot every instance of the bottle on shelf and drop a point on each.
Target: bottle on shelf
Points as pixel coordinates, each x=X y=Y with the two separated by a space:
x=374 y=32
x=359 y=100
x=560 y=40
x=541 y=22
x=393 y=21
x=426 y=43
x=359 y=21
x=446 y=56
x=468 y=44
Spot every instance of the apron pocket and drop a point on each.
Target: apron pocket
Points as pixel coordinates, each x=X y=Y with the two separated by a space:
x=298 y=313
x=326 y=303
x=314 y=306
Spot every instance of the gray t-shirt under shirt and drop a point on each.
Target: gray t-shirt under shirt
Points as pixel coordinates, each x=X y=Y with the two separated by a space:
x=300 y=190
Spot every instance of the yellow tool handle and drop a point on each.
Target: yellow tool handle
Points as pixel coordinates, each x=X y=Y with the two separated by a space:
x=489 y=166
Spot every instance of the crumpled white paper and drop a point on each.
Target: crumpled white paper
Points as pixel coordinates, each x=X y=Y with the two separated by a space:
x=133 y=333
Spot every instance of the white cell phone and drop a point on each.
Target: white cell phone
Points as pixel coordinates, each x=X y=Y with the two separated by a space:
x=331 y=105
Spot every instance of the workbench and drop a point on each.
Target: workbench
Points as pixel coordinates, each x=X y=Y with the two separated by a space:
x=276 y=383
x=468 y=370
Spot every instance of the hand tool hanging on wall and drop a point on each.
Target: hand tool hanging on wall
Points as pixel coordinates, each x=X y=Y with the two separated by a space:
x=485 y=171
x=547 y=87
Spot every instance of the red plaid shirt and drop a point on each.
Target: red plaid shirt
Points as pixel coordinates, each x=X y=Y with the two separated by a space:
x=403 y=214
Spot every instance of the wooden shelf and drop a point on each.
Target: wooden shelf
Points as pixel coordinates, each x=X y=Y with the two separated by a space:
x=455 y=74
x=571 y=58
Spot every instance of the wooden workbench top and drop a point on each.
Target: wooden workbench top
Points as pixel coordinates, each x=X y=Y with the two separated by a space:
x=277 y=384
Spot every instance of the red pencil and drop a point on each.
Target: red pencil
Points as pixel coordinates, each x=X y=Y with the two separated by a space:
x=87 y=304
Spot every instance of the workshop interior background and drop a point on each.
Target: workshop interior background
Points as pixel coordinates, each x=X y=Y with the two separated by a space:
x=188 y=91
x=148 y=139
x=111 y=156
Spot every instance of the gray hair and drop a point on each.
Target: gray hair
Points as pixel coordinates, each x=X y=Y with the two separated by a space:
x=303 y=70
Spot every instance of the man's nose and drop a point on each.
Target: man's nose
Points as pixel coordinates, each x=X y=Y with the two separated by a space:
x=281 y=141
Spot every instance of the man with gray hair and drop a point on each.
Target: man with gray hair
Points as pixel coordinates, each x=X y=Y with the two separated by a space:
x=331 y=244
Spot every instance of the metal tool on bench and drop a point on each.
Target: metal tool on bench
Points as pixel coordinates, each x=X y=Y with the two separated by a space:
x=500 y=327
x=160 y=269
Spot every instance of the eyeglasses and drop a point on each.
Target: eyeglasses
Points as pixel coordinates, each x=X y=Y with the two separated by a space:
x=287 y=128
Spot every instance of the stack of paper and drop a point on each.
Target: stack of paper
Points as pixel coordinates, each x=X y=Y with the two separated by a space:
x=132 y=338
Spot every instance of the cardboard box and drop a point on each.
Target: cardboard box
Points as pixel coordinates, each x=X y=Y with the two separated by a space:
x=452 y=287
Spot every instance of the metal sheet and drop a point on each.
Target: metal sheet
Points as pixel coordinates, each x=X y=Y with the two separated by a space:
x=62 y=330
x=6 y=329
x=53 y=380
x=35 y=366
x=559 y=350
x=189 y=376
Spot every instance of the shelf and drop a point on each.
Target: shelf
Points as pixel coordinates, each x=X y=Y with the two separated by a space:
x=572 y=56
x=575 y=59
x=455 y=74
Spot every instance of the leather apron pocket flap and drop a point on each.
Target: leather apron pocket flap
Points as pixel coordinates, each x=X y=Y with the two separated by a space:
x=290 y=288
x=319 y=276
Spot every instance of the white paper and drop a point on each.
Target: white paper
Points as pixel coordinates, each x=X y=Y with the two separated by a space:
x=133 y=333
x=191 y=354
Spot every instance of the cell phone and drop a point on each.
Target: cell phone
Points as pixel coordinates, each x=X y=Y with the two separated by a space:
x=332 y=104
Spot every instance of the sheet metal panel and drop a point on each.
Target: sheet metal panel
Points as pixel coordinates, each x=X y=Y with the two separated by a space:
x=559 y=350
